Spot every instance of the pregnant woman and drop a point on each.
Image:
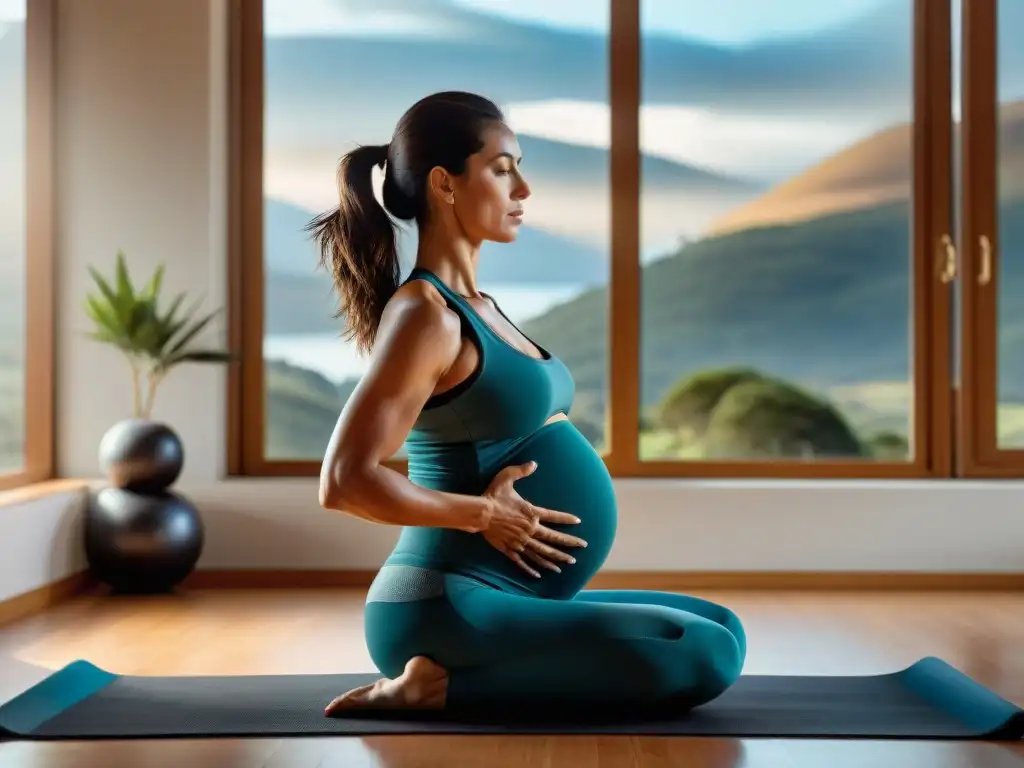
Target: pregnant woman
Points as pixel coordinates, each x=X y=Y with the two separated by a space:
x=507 y=511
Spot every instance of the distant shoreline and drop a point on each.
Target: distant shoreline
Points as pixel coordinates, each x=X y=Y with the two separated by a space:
x=330 y=356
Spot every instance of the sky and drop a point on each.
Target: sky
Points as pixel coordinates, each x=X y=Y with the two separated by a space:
x=766 y=147
x=12 y=10
x=345 y=17
x=726 y=22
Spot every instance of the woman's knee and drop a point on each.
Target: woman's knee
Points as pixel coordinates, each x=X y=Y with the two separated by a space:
x=386 y=652
x=726 y=617
x=714 y=658
x=733 y=623
x=392 y=638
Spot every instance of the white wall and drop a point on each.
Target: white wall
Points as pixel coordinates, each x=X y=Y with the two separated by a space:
x=40 y=541
x=674 y=525
x=140 y=158
x=142 y=116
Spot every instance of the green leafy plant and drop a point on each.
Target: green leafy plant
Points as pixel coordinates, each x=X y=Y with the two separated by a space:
x=154 y=340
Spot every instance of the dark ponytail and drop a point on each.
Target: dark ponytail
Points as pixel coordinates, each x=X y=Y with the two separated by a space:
x=357 y=239
x=358 y=246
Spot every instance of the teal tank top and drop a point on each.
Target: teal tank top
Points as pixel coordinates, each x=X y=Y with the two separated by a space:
x=495 y=418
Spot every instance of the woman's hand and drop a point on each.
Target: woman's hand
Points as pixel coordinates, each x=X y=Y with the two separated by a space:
x=516 y=526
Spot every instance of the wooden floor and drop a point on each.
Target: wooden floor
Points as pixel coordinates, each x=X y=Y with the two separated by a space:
x=315 y=631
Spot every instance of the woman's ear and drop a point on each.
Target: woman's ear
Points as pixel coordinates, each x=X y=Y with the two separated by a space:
x=439 y=182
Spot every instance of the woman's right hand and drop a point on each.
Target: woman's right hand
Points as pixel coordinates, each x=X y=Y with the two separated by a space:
x=516 y=527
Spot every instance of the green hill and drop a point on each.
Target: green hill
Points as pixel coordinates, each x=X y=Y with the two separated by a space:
x=302 y=409
x=537 y=256
x=824 y=302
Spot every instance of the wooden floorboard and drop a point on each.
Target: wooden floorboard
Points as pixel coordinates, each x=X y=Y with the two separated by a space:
x=320 y=630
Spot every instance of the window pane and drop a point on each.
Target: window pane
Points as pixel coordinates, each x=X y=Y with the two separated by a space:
x=12 y=235
x=776 y=230
x=342 y=73
x=1010 y=359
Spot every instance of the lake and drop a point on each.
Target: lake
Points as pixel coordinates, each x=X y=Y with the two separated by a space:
x=330 y=356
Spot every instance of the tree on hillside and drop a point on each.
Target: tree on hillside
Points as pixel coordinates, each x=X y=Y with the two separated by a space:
x=688 y=405
x=888 y=446
x=771 y=418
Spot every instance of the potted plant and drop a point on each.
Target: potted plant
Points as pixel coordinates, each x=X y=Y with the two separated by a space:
x=139 y=535
x=154 y=342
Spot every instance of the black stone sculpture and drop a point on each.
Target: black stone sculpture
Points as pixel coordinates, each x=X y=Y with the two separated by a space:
x=140 y=537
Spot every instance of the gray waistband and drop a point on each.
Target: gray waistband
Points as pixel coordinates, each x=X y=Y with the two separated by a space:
x=404 y=584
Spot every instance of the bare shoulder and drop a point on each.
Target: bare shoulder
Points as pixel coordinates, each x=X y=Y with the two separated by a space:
x=418 y=314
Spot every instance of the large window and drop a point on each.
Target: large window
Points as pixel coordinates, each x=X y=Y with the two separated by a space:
x=776 y=241
x=554 y=276
x=25 y=236
x=746 y=238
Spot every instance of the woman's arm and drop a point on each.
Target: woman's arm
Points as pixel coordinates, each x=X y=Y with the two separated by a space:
x=418 y=340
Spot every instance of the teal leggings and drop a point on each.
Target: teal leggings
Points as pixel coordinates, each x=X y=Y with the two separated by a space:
x=603 y=646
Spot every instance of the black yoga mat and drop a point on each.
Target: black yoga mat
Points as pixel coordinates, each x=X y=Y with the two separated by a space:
x=928 y=700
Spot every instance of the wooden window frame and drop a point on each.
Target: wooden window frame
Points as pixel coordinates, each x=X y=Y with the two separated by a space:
x=981 y=456
x=931 y=299
x=38 y=462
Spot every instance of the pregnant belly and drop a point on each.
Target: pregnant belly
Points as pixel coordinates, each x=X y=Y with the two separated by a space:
x=570 y=477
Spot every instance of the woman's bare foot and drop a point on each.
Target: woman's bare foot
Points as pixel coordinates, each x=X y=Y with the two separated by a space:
x=423 y=685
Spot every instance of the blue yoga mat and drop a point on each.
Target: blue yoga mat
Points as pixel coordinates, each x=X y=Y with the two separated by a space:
x=928 y=700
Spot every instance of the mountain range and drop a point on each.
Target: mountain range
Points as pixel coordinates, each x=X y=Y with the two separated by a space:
x=810 y=281
x=536 y=257
x=570 y=186
x=576 y=173
x=874 y=171
x=299 y=297
x=824 y=303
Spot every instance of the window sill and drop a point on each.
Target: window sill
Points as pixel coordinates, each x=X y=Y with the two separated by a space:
x=34 y=491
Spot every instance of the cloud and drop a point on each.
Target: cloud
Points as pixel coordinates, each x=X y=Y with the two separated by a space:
x=570 y=184
x=862 y=69
x=436 y=20
x=12 y=11
x=582 y=214
x=767 y=147
x=358 y=19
